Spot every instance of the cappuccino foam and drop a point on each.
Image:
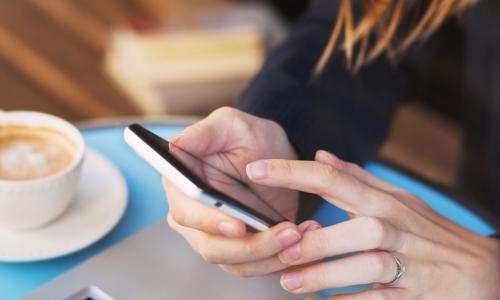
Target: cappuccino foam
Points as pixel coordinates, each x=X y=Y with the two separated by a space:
x=29 y=153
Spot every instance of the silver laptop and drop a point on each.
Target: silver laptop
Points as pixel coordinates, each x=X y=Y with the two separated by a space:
x=156 y=264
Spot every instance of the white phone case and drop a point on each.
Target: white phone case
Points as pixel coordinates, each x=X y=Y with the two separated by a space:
x=185 y=185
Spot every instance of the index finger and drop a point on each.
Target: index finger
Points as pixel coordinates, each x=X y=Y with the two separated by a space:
x=217 y=249
x=339 y=188
x=193 y=214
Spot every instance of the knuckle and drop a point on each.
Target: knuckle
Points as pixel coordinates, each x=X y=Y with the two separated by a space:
x=319 y=280
x=239 y=271
x=380 y=263
x=253 y=249
x=273 y=130
x=376 y=231
x=353 y=168
x=327 y=171
x=395 y=208
x=385 y=204
x=207 y=253
x=274 y=127
x=174 y=214
x=225 y=110
x=178 y=217
x=281 y=167
x=366 y=192
x=262 y=245
x=209 y=257
x=318 y=241
x=326 y=174
x=225 y=268
x=318 y=246
x=173 y=224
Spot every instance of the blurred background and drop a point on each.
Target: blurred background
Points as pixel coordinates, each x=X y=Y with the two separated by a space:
x=89 y=59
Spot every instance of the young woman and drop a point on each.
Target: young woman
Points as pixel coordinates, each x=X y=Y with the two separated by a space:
x=334 y=85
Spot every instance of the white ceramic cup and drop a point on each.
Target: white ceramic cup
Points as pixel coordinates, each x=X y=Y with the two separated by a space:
x=27 y=204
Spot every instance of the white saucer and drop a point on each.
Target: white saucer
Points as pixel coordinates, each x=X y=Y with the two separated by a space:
x=99 y=205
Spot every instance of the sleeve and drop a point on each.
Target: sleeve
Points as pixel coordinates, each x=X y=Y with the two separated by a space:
x=347 y=114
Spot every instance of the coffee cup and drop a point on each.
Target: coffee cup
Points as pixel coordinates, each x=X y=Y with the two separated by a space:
x=41 y=158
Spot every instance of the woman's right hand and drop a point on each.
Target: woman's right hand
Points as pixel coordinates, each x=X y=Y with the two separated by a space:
x=230 y=139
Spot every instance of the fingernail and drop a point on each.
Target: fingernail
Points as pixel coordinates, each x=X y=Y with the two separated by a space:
x=288 y=237
x=257 y=170
x=305 y=227
x=228 y=229
x=313 y=227
x=291 y=281
x=290 y=255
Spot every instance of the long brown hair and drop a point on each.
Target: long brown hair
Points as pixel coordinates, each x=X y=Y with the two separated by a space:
x=375 y=29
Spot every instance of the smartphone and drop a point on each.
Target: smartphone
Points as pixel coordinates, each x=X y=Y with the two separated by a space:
x=202 y=181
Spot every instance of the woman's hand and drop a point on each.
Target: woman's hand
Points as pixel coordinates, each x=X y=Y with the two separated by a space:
x=439 y=259
x=229 y=139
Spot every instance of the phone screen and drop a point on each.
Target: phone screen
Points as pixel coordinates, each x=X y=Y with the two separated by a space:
x=221 y=181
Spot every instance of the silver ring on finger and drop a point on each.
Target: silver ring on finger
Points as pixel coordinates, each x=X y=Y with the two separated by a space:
x=400 y=270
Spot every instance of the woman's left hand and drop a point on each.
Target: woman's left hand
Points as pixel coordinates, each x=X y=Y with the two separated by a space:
x=393 y=233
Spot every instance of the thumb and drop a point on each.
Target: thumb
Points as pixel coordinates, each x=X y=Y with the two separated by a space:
x=206 y=137
x=198 y=139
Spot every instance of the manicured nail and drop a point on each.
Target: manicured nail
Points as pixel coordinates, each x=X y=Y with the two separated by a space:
x=257 y=170
x=291 y=281
x=290 y=255
x=288 y=237
x=228 y=229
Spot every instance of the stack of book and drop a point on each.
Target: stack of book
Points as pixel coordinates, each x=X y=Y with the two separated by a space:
x=192 y=64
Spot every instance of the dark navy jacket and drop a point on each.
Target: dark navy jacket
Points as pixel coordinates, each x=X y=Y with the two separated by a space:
x=350 y=114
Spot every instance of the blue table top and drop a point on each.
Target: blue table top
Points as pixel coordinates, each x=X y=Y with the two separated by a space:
x=147 y=206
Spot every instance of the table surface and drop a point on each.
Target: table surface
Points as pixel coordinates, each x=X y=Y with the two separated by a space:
x=147 y=206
